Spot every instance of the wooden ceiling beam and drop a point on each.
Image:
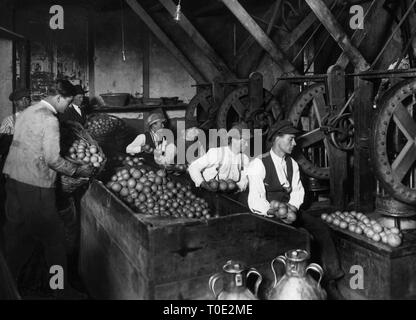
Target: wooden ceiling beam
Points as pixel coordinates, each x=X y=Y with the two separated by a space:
x=164 y=39
x=359 y=34
x=199 y=40
x=246 y=45
x=261 y=37
x=339 y=35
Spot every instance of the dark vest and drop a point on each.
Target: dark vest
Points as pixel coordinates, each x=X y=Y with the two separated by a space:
x=274 y=189
x=149 y=140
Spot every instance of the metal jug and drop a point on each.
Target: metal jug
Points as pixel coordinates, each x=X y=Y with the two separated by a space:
x=296 y=284
x=234 y=278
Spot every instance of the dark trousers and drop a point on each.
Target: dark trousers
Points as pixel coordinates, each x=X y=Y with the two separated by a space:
x=32 y=217
x=323 y=247
x=323 y=244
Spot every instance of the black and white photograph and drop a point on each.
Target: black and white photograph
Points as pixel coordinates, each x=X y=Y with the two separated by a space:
x=202 y=152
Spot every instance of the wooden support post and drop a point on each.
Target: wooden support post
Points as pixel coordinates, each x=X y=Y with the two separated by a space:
x=164 y=39
x=335 y=29
x=146 y=65
x=364 y=180
x=199 y=40
x=218 y=93
x=337 y=158
x=255 y=90
x=271 y=48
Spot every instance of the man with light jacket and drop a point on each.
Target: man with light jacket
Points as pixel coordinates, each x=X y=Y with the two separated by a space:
x=31 y=168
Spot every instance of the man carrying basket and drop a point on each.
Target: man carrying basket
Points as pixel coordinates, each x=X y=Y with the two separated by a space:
x=31 y=168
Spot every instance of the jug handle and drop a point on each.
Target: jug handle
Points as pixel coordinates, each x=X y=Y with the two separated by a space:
x=317 y=268
x=281 y=259
x=211 y=283
x=259 y=280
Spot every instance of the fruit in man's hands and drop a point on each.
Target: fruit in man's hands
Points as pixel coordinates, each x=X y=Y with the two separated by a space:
x=222 y=185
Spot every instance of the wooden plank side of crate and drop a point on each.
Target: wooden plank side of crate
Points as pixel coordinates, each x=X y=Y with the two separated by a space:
x=403 y=281
x=129 y=233
x=376 y=271
x=105 y=268
x=195 y=250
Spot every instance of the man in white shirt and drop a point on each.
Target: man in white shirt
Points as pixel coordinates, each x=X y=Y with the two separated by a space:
x=227 y=162
x=276 y=176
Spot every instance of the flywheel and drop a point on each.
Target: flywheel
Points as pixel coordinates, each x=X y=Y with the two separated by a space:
x=308 y=113
x=393 y=142
x=236 y=108
x=201 y=109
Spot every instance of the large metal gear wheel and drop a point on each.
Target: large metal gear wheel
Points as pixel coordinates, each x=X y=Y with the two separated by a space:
x=235 y=108
x=393 y=142
x=200 y=109
x=307 y=114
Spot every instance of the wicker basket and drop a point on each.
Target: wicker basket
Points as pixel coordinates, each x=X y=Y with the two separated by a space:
x=118 y=135
x=74 y=131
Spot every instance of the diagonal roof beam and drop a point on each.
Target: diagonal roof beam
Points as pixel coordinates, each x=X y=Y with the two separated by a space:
x=261 y=37
x=336 y=31
x=164 y=39
x=199 y=40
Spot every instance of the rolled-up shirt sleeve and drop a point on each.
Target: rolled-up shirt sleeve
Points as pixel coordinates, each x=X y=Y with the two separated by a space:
x=298 y=192
x=51 y=148
x=136 y=145
x=165 y=154
x=257 y=201
x=197 y=167
x=242 y=184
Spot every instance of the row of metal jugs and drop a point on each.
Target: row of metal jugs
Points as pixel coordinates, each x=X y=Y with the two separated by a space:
x=295 y=284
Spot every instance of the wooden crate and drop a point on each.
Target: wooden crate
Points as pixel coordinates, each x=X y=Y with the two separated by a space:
x=133 y=256
x=388 y=272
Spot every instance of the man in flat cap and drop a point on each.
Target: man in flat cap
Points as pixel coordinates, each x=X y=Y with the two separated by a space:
x=276 y=176
x=164 y=151
x=21 y=100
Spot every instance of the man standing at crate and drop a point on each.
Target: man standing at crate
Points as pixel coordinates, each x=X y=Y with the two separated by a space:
x=76 y=111
x=164 y=152
x=226 y=162
x=276 y=176
x=31 y=168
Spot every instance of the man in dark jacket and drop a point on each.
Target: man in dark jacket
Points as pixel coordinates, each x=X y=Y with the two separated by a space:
x=77 y=110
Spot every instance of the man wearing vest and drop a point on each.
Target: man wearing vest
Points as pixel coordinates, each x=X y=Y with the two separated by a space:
x=276 y=176
x=164 y=152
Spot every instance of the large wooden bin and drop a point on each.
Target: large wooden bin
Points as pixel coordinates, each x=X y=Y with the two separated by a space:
x=133 y=256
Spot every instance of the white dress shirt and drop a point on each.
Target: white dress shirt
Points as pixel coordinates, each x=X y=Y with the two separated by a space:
x=221 y=161
x=256 y=173
x=77 y=109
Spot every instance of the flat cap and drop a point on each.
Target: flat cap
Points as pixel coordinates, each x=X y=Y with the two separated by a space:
x=282 y=127
x=154 y=117
x=19 y=94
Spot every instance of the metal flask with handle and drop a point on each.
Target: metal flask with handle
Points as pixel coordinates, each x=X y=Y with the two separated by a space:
x=234 y=282
x=296 y=283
